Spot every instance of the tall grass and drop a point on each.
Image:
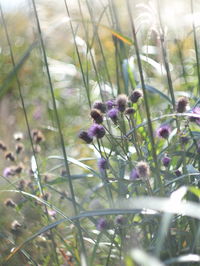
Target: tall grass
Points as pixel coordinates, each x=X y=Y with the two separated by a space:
x=108 y=170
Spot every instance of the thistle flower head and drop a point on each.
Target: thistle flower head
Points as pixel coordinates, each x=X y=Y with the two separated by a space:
x=8 y=171
x=163 y=131
x=18 y=136
x=119 y=220
x=19 y=148
x=177 y=172
x=102 y=224
x=196 y=111
x=121 y=102
x=110 y=104
x=143 y=169
x=2 y=146
x=102 y=164
x=85 y=136
x=16 y=226
x=97 y=116
x=181 y=104
x=113 y=114
x=134 y=174
x=130 y=111
x=97 y=131
x=100 y=106
x=136 y=94
x=9 y=203
x=166 y=160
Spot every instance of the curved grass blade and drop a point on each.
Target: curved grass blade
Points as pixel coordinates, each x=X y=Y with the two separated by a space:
x=76 y=162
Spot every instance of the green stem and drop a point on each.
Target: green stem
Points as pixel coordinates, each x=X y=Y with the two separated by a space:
x=147 y=110
x=59 y=130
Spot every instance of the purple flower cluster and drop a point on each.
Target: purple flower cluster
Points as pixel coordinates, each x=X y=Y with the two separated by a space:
x=113 y=108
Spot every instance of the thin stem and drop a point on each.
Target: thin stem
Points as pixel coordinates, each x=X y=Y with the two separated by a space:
x=195 y=45
x=147 y=110
x=59 y=129
x=28 y=126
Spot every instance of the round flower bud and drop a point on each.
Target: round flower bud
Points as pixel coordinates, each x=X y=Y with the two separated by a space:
x=97 y=116
x=121 y=102
x=181 y=104
x=97 y=131
x=136 y=94
x=85 y=136
x=143 y=169
x=113 y=114
x=100 y=106
x=163 y=132
x=166 y=160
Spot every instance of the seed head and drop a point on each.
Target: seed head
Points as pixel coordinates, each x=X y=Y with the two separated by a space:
x=97 y=116
x=85 y=136
x=121 y=102
x=9 y=156
x=18 y=136
x=100 y=106
x=9 y=203
x=97 y=131
x=19 y=148
x=181 y=104
x=143 y=169
x=136 y=94
x=2 y=146
x=16 y=226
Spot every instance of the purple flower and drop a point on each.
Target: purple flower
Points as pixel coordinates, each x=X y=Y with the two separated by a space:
x=163 y=131
x=134 y=174
x=130 y=111
x=181 y=105
x=177 y=173
x=166 y=160
x=110 y=104
x=52 y=213
x=121 y=102
x=102 y=224
x=196 y=111
x=119 y=220
x=100 y=106
x=97 y=131
x=136 y=94
x=8 y=171
x=102 y=164
x=85 y=136
x=113 y=114
x=97 y=116
x=184 y=139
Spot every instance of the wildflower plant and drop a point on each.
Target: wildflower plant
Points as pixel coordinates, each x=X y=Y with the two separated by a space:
x=111 y=177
